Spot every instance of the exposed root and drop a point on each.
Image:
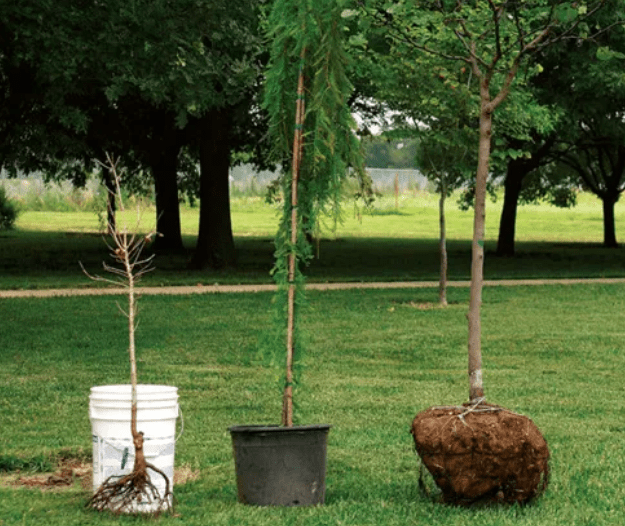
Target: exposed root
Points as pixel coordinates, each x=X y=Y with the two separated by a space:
x=133 y=493
x=129 y=493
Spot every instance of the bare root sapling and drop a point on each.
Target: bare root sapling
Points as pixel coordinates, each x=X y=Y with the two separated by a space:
x=129 y=493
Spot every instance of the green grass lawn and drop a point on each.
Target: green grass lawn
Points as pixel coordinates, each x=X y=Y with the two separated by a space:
x=374 y=359
x=384 y=243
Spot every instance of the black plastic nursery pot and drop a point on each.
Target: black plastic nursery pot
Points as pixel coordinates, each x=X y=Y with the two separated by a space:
x=280 y=466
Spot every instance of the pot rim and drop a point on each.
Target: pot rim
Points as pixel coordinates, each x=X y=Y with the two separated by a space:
x=275 y=428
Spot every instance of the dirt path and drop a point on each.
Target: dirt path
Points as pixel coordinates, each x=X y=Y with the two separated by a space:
x=222 y=289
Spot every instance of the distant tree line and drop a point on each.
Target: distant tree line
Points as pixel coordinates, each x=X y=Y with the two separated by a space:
x=382 y=152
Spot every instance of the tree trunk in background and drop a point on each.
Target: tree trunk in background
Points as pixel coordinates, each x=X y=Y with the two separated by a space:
x=609 y=229
x=507 y=224
x=442 y=287
x=164 y=166
x=215 y=242
x=111 y=202
x=516 y=172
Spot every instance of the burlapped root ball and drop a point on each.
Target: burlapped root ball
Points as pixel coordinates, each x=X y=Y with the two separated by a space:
x=482 y=453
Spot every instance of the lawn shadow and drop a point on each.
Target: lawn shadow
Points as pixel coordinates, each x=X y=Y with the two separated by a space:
x=49 y=259
x=387 y=212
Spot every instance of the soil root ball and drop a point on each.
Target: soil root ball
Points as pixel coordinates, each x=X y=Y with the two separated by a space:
x=482 y=453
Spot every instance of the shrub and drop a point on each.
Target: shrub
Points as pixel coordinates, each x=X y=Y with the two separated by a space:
x=8 y=211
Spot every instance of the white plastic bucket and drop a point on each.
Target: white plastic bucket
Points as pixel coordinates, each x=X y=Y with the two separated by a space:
x=113 y=450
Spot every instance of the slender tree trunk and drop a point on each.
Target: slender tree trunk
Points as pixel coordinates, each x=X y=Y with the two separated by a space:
x=609 y=227
x=165 y=172
x=507 y=223
x=140 y=463
x=396 y=187
x=442 y=289
x=476 y=388
x=300 y=108
x=215 y=243
x=131 y=347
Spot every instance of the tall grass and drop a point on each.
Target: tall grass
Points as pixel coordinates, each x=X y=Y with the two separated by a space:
x=33 y=194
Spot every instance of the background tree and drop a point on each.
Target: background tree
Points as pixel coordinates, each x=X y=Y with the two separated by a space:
x=589 y=91
x=493 y=41
x=147 y=76
x=573 y=89
x=443 y=159
x=518 y=168
x=598 y=158
x=526 y=133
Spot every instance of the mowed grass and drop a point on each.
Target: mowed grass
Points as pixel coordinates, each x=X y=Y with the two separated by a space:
x=374 y=359
x=384 y=243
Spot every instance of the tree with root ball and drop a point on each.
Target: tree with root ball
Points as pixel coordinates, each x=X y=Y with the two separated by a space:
x=478 y=451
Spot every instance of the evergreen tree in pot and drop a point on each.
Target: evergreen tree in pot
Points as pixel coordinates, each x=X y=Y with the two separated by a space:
x=312 y=132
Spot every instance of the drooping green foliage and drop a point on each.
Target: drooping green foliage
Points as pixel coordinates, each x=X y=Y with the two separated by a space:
x=330 y=147
x=307 y=71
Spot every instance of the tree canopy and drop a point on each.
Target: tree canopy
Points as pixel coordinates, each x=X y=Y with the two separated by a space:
x=158 y=84
x=137 y=79
x=493 y=42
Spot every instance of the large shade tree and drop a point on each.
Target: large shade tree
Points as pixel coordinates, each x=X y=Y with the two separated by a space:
x=146 y=77
x=590 y=144
x=581 y=82
x=597 y=158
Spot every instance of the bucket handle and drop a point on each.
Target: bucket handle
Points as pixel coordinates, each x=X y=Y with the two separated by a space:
x=181 y=424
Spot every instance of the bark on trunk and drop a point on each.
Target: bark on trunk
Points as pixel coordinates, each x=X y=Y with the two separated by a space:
x=516 y=172
x=111 y=202
x=609 y=228
x=287 y=398
x=165 y=172
x=215 y=243
x=476 y=389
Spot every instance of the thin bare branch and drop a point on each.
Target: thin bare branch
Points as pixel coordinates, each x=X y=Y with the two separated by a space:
x=473 y=58
x=123 y=494
x=95 y=277
x=497 y=13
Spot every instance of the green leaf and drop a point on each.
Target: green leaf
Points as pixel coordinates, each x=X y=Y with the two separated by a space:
x=565 y=14
x=605 y=53
x=358 y=40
